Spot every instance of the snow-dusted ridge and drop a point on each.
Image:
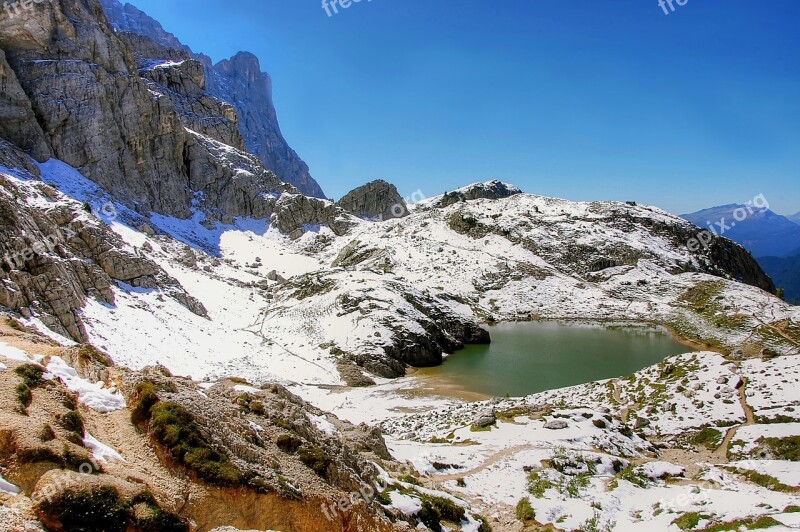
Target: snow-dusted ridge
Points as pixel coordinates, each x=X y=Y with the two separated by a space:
x=307 y=312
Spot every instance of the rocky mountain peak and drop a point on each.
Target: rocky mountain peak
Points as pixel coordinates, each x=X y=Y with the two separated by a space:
x=494 y=189
x=240 y=82
x=246 y=66
x=376 y=199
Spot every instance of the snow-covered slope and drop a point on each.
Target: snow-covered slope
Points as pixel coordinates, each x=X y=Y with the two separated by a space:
x=322 y=311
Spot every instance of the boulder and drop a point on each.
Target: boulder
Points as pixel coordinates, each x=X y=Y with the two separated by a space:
x=377 y=200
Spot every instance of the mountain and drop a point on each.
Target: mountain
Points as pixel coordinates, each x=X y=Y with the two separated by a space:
x=189 y=343
x=785 y=272
x=240 y=82
x=795 y=218
x=761 y=231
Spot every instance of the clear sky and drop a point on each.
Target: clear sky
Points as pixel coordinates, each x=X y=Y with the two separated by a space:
x=581 y=99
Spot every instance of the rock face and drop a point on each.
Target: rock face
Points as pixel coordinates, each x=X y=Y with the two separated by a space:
x=375 y=200
x=53 y=258
x=142 y=127
x=294 y=212
x=240 y=82
x=490 y=190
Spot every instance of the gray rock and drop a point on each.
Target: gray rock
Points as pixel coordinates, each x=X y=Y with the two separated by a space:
x=556 y=424
x=490 y=190
x=240 y=82
x=293 y=212
x=375 y=200
x=485 y=418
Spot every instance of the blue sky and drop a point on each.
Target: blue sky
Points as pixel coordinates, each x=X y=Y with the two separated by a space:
x=581 y=99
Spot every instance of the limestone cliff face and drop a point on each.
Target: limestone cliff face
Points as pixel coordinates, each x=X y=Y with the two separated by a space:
x=240 y=82
x=55 y=255
x=146 y=132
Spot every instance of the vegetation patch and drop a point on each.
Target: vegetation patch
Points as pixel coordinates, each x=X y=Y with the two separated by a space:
x=538 y=484
x=632 y=475
x=708 y=438
x=689 y=520
x=102 y=509
x=31 y=375
x=173 y=427
x=437 y=509
x=524 y=510
x=783 y=448
x=750 y=523
x=764 y=480
x=315 y=458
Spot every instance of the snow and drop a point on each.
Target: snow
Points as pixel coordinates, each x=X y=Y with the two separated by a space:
x=322 y=424
x=94 y=395
x=259 y=331
x=786 y=472
x=100 y=450
x=405 y=503
x=7 y=487
x=13 y=353
x=660 y=470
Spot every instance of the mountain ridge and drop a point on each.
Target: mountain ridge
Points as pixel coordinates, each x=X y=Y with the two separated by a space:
x=238 y=81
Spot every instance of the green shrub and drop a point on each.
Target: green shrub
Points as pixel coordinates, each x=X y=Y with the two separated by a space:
x=97 y=510
x=315 y=458
x=174 y=428
x=101 y=509
x=632 y=476
x=524 y=510
x=784 y=448
x=765 y=481
x=708 y=438
x=145 y=397
x=436 y=509
x=73 y=422
x=31 y=374
x=158 y=520
x=750 y=523
x=484 y=523
x=538 y=485
x=689 y=520
x=24 y=395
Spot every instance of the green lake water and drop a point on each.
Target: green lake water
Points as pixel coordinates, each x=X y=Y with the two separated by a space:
x=530 y=357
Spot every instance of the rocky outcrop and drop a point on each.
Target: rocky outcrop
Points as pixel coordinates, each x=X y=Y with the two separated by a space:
x=295 y=212
x=147 y=132
x=489 y=190
x=55 y=255
x=232 y=454
x=377 y=200
x=240 y=82
x=19 y=123
x=182 y=80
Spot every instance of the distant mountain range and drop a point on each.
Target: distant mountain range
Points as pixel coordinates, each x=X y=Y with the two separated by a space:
x=763 y=232
x=773 y=239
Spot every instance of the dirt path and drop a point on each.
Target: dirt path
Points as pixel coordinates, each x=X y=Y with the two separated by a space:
x=722 y=451
x=493 y=459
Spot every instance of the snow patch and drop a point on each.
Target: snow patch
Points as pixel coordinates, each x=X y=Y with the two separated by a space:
x=94 y=395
